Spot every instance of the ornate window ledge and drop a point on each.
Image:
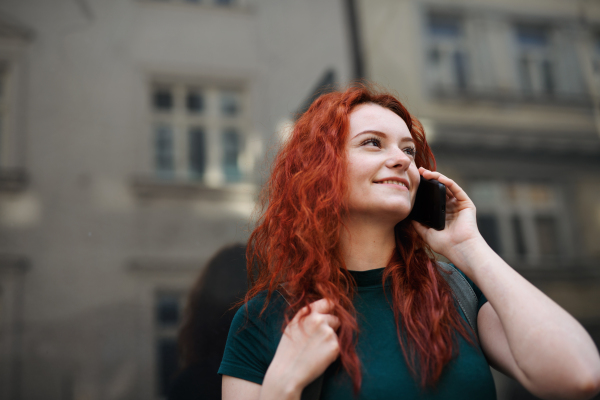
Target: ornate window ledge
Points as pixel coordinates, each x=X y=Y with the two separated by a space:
x=149 y=187
x=164 y=265
x=502 y=96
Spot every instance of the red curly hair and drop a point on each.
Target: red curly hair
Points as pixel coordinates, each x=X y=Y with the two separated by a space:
x=297 y=240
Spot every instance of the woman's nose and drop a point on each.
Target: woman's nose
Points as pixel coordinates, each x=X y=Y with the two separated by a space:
x=398 y=159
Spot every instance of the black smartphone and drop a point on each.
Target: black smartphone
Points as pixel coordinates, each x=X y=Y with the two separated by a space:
x=430 y=204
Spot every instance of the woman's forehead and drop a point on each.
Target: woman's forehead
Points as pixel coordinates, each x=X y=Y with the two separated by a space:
x=373 y=117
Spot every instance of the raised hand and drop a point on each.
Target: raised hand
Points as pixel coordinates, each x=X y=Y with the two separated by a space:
x=461 y=224
x=308 y=346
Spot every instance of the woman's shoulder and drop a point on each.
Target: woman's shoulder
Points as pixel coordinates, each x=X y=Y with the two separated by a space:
x=254 y=309
x=253 y=337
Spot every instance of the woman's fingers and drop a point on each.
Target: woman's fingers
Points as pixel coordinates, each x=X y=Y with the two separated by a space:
x=310 y=343
x=332 y=321
x=420 y=228
x=322 y=306
x=320 y=309
x=453 y=188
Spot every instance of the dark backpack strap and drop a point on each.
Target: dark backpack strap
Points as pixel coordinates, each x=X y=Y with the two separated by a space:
x=463 y=293
x=313 y=390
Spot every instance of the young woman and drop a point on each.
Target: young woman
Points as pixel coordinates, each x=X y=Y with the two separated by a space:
x=370 y=308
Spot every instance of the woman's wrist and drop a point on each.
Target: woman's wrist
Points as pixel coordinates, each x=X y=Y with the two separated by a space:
x=470 y=253
x=277 y=385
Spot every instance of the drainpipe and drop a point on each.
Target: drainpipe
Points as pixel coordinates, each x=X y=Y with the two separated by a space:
x=355 y=42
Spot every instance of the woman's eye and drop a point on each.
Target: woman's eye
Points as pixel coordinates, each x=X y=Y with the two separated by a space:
x=411 y=151
x=372 y=142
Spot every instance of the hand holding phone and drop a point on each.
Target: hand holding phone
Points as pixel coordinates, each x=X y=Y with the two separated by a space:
x=430 y=204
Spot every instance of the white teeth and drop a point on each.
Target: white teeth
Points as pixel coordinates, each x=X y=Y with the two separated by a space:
x=394 y=183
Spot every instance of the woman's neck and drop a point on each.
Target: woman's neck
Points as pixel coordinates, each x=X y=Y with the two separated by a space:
x=365 y=245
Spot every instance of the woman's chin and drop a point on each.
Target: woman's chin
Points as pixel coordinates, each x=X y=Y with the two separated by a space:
x=392 y=213
x=397 y=215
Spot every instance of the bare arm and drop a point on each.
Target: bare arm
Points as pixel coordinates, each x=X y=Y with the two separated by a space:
x=306 y=349
x=523 y=332
x=235 y=388
x=549 y=352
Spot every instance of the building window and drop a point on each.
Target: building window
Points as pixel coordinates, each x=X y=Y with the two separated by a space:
x=4 y=110
x=595 y=58
x=168 y=309
x=198 y=132
x=534 y=60
x=522 y=222
x=223 y=3
x=447 y=56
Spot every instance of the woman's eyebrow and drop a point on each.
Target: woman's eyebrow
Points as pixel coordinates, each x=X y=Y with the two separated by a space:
x=371 y=131
x=379 y=133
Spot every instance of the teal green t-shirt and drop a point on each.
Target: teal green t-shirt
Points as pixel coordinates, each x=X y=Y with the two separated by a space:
x=252 y=342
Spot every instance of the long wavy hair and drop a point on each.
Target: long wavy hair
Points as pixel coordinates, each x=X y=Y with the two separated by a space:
x=297 y=240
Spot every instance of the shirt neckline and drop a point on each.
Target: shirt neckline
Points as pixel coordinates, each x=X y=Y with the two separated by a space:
x=372 y=277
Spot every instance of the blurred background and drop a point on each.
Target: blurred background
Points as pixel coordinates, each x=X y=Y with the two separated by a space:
x=135 y=134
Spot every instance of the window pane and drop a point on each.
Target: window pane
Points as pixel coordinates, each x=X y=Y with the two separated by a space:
x=1 y=133
x=167 y=363
x=512 y=191
x=163 y=148
x=1 y=84
x=485 y=193
x=547 y=234
x=460 y=69
x=230 y=103
x=195 y=101
x=435 y=56
x=231 y=151
x=163 y=99
x=518 y=236
x=441 y=25
x=548 y=82
x=197 y=152
x=167 y=310
x=541 y=194
x=488 y=226
x=532 y=35
x=525 y=74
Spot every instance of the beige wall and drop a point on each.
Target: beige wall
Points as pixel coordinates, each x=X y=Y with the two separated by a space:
x=100 y=234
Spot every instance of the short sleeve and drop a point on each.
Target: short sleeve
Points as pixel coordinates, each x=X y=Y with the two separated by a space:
x=481 y=300
x=253 y=339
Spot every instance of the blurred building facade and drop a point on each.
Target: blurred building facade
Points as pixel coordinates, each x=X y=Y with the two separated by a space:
x=508 y=94
x=132 y=134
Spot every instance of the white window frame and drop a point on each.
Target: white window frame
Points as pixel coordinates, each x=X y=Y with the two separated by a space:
x=203 y=3
x=161 y=332
x=213 y=124
x=535 y=57
x=14 y=39
x=504 y=209
x=9 y=77
x=158 y=276
x=12 y=271
x=444 y=75
x=594 y=59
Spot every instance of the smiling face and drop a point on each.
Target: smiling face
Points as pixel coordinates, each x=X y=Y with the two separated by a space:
x=382 y=174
